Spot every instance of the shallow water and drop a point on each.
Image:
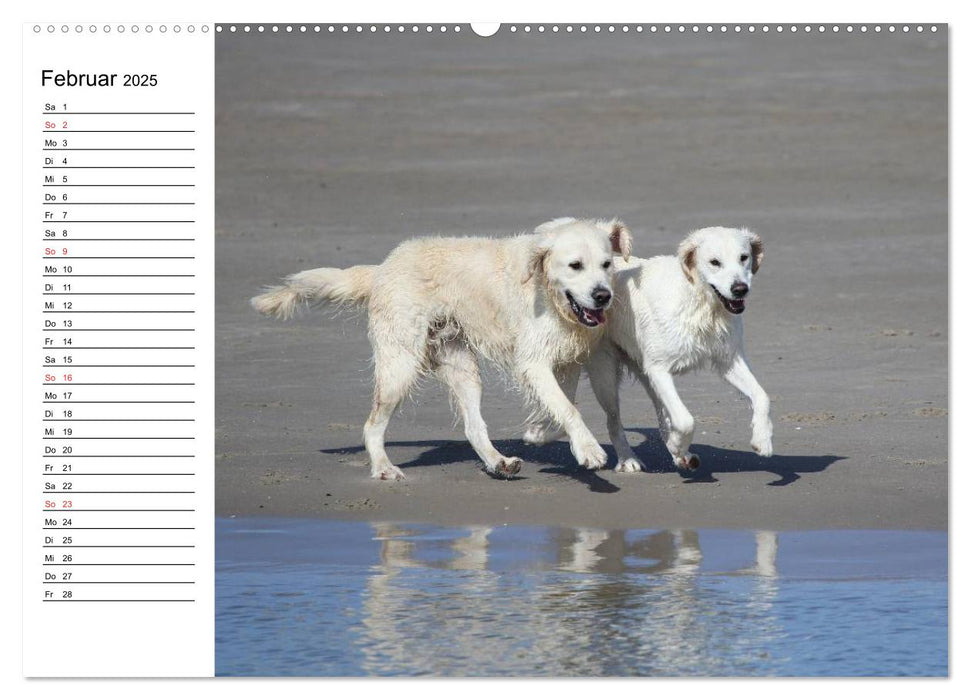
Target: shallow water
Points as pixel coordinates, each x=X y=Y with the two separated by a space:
x=319 y=597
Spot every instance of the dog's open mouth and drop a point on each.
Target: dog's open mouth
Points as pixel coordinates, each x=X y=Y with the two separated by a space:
x=588 y=317
x=734 y=306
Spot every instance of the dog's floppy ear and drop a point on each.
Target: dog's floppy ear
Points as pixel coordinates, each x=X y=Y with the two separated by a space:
x=537 y=258
x=620 y=239
x=686 y=255
x=757 y=250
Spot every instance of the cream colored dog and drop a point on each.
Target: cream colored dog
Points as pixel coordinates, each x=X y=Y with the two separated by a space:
x=534 y=304
x=672 y=315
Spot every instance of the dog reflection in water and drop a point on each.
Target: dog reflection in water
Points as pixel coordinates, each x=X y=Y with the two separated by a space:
x=574 y=602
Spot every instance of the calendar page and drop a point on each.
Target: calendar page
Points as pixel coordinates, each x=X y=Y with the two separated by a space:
x=526 y=349
x=118 y=348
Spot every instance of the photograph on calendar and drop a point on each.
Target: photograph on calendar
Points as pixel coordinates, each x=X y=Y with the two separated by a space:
x=482 y=401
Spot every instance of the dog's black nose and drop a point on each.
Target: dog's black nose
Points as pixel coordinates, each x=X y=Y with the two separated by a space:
x=739 y=290
x=601 y=297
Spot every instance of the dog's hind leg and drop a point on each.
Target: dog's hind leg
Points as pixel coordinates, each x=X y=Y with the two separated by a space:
x=456 y=366
x=396 y=367
x=543 y=432
x=604 y=371
x=663 y=419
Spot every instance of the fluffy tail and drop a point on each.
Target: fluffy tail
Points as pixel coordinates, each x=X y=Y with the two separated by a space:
x=352 y=285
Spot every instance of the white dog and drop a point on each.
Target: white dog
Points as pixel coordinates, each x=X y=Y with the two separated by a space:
x=672 y=315
x=533 y=304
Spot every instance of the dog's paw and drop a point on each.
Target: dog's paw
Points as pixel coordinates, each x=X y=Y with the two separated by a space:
x=629 y=465
x=506 y=467
x=590 y=455
x=388 y=472
x=762 y=437
x=540 y=434
x=688 y=462
x=762 y=446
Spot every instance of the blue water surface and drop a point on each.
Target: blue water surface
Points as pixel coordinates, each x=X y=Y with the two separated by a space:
x=299 y=597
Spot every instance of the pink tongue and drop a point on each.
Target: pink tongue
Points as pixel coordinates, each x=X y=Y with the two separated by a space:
x=594 y=315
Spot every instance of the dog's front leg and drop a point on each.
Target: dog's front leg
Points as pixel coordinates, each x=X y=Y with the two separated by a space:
x=681 y=425
x=740 y=376
x=541 y=432
x=545 y=389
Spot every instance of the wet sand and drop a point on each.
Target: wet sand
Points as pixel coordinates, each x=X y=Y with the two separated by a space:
x=330 y=150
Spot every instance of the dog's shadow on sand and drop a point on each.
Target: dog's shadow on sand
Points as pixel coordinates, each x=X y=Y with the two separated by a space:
x=717 y=460
x=556 y=459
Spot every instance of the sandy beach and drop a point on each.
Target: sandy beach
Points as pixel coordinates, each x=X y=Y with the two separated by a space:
x=332 y=149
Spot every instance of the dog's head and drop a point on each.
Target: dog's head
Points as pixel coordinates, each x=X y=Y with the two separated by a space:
x=575 y=258
x=723 y=261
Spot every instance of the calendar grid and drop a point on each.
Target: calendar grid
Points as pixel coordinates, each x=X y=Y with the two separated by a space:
x=118 y=269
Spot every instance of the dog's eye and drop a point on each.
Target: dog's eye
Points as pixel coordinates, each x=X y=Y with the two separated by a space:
x=714 y=262
x=744 y=258
x=576 y=265
x=606 y=265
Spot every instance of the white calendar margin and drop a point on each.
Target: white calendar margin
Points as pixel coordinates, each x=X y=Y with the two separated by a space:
x=120 y=639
